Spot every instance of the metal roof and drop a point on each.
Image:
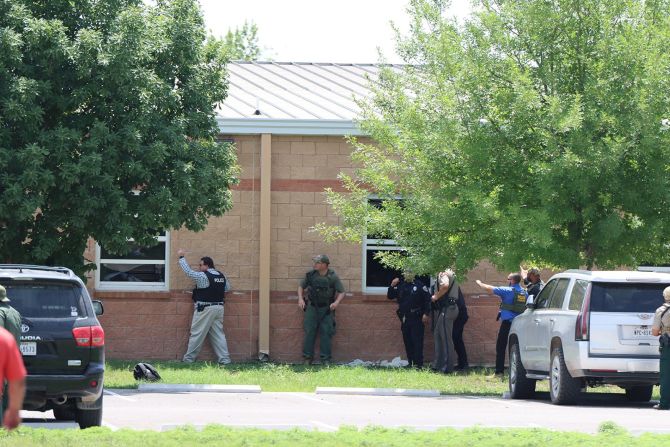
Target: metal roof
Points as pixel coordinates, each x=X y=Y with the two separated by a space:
x=295 y=97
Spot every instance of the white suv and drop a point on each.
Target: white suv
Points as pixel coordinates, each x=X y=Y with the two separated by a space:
x=586 y=329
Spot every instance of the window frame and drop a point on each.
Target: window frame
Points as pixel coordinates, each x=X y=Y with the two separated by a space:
x=133 y=285
x=375 y=244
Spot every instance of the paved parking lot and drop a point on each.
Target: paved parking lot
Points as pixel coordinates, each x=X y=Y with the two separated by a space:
x=163 y=411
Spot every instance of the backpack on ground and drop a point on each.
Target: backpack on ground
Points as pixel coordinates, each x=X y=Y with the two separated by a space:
x=145 y=371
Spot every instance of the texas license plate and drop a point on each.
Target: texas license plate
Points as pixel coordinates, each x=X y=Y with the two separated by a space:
x=642 y=331
x=29 y=348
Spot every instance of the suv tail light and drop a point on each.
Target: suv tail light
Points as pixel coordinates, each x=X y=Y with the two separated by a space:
x=582 y=324
x=92 y=336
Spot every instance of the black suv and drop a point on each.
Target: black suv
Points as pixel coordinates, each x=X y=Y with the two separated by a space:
x=62 y=341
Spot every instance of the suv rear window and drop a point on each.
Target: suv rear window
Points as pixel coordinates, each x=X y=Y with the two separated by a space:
x=618 y=297
x=43 y=299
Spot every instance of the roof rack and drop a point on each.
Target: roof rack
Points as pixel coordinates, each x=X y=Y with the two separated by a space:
x=45 y=268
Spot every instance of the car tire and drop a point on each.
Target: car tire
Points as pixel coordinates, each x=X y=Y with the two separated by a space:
x=640 y=393
x=520 y=387
x=563 y=388
x=90 y=418
x=65 y=412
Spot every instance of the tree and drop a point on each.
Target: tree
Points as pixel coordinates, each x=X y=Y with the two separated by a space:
x=107 y=126
x=536 y=131
x=242 y=44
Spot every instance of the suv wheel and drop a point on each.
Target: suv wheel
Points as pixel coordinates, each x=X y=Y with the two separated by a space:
x=520 y=387
x=563 y=388
x=640 y=393
x=90 y=418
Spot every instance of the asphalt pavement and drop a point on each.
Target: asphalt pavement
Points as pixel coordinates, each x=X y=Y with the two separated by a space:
x=162 y=411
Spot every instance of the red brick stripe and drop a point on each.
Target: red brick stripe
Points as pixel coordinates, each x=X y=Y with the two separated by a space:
x=299 y=185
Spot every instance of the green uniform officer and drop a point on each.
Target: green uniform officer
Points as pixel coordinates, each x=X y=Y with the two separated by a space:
x=324 y=292
x=661 y=326
x=10 y=319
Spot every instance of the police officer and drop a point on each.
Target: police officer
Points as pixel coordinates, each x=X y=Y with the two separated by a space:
x=661 y=326
x=512 y=303
x=211 y=286
x=444 y=301
x=413 y=309
x=10 y=318
x=324 y=292
x=533 y=281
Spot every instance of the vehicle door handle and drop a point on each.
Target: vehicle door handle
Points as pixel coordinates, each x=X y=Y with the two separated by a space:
x=537 y=320
x=553 y=320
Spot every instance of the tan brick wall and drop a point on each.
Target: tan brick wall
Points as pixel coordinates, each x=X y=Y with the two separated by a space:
x=155 y=325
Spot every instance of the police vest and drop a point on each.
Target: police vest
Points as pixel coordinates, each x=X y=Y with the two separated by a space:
x=518 y=304
x=215 y=293
x=320 y=289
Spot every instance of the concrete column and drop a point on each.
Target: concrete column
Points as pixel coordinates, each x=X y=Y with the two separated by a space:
x=264 y=255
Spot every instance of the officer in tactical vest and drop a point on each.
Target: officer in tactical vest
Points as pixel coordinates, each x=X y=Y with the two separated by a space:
x=413 y=309
x=512 y=303
x=661 y=327
x=319 y=294
x=10 y=318
x=209 y=297
x=445 y=312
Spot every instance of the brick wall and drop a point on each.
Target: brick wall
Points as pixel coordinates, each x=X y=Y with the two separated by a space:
x=155 y=325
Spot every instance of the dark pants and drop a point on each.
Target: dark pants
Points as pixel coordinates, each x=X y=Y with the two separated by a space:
x=459 y=346
x=665 y=378
x=412 y=336
x=501 y=345
x=321 y=319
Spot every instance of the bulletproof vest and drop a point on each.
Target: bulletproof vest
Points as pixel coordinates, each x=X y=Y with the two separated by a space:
x=518 y=304
x=321 y=288
x=215 y=293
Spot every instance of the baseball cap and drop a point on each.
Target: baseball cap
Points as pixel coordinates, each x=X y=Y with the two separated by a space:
x=3 y=295
x=321 y=258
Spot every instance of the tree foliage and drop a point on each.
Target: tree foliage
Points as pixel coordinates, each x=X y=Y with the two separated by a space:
x=107 y=126
x=535 y=131
x=242 y=44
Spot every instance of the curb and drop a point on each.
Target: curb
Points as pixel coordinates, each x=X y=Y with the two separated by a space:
x=377 y=391
x=189 y=388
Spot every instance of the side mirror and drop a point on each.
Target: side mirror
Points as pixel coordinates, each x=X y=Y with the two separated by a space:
x=97 y=307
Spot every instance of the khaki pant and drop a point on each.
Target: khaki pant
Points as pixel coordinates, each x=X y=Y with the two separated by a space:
x=208 y=321
x=445 y=355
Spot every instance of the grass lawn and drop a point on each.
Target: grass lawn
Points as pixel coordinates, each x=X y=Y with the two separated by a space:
x=285 y=377
x=609 y=435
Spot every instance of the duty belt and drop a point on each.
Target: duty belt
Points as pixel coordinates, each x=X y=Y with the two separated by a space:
x=312 y=303
x=201 y=305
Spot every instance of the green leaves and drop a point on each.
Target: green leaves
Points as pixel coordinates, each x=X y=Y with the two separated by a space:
x=531 y=133
x=98 y=100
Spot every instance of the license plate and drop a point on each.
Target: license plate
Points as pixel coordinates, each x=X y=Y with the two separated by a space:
x=639 y=331
x=29 y=348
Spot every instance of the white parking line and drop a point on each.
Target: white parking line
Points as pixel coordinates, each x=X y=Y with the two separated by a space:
x=324 y=425
x=111 y=393
x=313 y=399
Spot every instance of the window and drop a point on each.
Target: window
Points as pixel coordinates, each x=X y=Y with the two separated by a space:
x=556 y=301
x=143 y=268
x=577 y=295
x=376 y=276
x=542 y=300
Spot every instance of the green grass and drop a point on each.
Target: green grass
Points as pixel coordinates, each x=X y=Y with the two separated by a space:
x=285 y=377
x=609 y=435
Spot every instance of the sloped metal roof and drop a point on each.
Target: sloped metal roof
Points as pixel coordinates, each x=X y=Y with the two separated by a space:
x=294 y=97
